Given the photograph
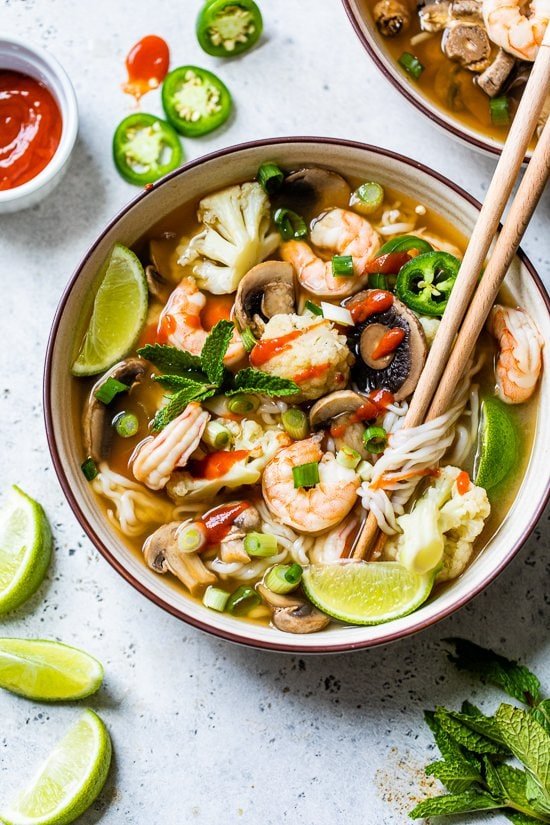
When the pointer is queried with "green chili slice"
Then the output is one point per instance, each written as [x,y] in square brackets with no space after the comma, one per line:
[290,224]
[405,244]
[424,283]
[500,110]
[375,439]
[145,148]
[411,64]
[195,100]
[228,27]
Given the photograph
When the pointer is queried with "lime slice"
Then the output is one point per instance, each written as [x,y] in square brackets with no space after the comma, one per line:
[70,779]
[365,592]
[47,671]
[118,314]
[25,549]
[499,442]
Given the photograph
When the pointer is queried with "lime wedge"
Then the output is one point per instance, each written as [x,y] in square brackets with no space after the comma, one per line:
[365,592]
[499,442]
[70,779]
[25,549]
[118,314]
[47,671]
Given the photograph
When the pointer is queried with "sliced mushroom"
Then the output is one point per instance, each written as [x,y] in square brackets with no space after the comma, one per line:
[467,44]
[293,614]
[495,76]
[232,545]
[339,407]
[434,16]
[391,17]
[268,289]
[399,371]
[157,285]
[162,554]
[466,10]
[97,436]
[312,190]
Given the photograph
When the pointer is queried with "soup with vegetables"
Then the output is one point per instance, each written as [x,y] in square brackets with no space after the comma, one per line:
[244,378]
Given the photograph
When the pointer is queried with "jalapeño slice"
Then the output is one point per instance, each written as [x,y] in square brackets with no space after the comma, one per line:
[145,148]
[229,27]
[424,283]
[195,100]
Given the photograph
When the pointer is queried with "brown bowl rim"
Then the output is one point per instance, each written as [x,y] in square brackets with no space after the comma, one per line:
[380,63]
[283,647]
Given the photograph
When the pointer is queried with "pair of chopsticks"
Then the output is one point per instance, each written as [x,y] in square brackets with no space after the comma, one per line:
[464,317]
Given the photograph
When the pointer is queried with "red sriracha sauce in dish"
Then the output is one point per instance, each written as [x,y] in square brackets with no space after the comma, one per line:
[30,128]
[218,522]
[388,343]
[147,65]
[217,464]
[375,403]
[377,300]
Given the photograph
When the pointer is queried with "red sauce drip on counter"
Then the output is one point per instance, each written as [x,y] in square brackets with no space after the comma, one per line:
[375,403]
[463,483]
[388,343]
[217,464]
[30,128]
[218,522]
[377,300]
[147,65]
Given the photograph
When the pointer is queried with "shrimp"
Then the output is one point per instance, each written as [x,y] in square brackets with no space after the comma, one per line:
[339,232]
[314,509]
[337,543]
[180,323]
[517,33]
[438,243]
[519,360]
[155,459]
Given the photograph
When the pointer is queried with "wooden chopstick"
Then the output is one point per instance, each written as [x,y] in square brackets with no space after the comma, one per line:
[485,229]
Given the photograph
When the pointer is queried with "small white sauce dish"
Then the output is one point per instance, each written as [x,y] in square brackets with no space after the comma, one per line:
[18,56]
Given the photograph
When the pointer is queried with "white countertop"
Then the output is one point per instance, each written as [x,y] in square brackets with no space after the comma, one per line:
[205,731]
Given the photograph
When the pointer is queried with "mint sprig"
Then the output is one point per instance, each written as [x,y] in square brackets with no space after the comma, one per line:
[474,747]
[196,378]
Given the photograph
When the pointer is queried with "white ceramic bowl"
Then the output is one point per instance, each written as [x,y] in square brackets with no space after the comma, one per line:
[189,184]
[376,46]
[18,56]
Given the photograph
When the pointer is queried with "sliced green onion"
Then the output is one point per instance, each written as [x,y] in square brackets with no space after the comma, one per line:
[348,457]
[270,177]
[283,578]
[242,601]
[290,224]
[89,469]
[411,64]
[126,424]
[242,404]
[261,545]
[107,391]
[377,280]
[342,266]
[306,475]
[295,423]
[364,470]
[217,435]
[375,439]
[191,537]
[313,308]
[500,110]
[369,196]
[247,337]
[215,598]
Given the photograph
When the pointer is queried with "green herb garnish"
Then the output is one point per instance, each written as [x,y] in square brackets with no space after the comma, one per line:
[196,378]
[474,746]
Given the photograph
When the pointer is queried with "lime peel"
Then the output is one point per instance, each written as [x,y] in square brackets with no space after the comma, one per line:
[499,443]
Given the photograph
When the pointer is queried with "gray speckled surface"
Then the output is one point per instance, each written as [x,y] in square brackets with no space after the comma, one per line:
[205,731]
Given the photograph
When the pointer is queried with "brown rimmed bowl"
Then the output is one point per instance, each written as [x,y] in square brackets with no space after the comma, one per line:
[189,183]
[377,50]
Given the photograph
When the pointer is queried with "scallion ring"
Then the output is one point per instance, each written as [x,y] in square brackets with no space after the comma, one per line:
[270,177]
[290,224]
[411,64]
[215,598]
[342,266]
[126,424]
[191,537]
[377,280]
[242,601]
[89,468]
[260,545]
[375,439]
[217,435]
[109,389]
[500,110]
[283,578]
[242,404]
[247,337]
[348,457]
[315,309]
[306,475]
[296,423]
[368,197]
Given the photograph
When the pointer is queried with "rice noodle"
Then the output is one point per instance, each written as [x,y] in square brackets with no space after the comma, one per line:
[271,409]
[466,430]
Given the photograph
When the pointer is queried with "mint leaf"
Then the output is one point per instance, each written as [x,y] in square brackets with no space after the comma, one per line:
[456,774]
[530,743]
[170,359]
[512,786]
[177,403]
[446,744]
[256,381]
[214,350]
[179,382]
[460,727]
[516,680]
[522,819]
[470,710]
[478,722]
[461,803]
[542,714]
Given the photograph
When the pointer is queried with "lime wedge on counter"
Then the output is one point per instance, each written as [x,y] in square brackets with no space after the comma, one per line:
[366,593]
[118,314]
[25,549]
[47,671]
[498,444]
[70,779]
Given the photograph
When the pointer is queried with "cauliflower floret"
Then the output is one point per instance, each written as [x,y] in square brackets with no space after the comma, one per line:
[430,327]
[318,359]
[236,237]
[442,527]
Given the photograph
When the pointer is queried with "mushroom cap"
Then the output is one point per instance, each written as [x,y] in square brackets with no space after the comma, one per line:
[266,290]
[467,44]
[162,554]
[157,285]
[159,544]
[333,405]
[312,190]
[293,614]
[96,436]
[399,372]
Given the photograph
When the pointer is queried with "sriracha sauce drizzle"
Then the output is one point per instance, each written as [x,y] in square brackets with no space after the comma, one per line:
[218,522]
